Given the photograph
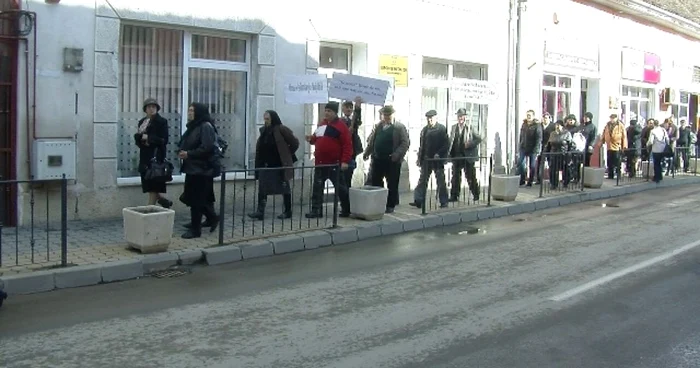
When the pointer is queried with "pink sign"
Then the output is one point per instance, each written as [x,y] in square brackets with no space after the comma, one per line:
[652,68]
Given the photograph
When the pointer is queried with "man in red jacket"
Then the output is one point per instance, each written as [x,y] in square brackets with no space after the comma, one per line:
[333,144]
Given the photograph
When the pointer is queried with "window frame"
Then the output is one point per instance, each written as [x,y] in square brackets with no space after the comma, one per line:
[628,98]
[571,90]
[189,62]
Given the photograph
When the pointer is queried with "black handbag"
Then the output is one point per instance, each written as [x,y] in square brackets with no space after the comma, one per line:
[159,171]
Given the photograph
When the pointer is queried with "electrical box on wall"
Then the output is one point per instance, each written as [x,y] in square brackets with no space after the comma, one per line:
[53,158]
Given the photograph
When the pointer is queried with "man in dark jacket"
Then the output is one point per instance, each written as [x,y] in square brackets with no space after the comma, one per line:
[464,149]
[530,147]
[3,295]
[547,128]
[683,146]
[590,132]
[434,144]
[352,116]
[646,132]
[634,149]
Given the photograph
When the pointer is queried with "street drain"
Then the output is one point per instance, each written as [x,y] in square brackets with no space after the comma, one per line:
[169,274]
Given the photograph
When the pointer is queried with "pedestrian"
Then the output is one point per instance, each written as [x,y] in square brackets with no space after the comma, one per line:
[615,137]
[683,148]
[530,147]
[152,140]
[547,128]
[590,132]
[658,140]
[646,132]
[434,146]
[464,151]
[3,294]
[200,164]
[333,143]
[577,146]
[559,148]
[673,135]
[275,157]
[352,116]
[387,145]
[634,150]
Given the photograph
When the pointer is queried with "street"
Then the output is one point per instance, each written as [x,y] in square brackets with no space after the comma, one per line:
[593,285]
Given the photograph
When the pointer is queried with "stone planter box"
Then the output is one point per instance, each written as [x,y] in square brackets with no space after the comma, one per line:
[593,177]
[368,202]
[505,187]
[694,166]
[647,169]
[148,229]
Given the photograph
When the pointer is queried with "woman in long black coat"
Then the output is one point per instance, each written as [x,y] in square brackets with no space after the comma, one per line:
[152,140]
[200,164]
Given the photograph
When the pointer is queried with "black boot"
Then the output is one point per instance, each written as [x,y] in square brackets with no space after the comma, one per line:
[287,198]
[195,230]
[260,213]
[164,202]
[212,218]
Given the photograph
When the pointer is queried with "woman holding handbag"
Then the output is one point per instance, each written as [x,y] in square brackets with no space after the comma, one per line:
[275,149]
[152,140]
[201,163]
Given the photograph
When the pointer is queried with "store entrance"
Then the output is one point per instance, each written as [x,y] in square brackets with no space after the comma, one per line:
[589,98]
[693,113]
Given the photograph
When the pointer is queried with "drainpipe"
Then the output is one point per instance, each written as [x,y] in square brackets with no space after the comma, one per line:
[516,108]
[511,85]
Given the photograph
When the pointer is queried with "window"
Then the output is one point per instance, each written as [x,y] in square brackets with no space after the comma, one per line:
[696,74]
[333,58]
[636,103]
[556,95]
[681,110]
[178,68]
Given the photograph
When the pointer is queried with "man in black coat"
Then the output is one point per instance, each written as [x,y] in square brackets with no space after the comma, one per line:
[547,128]
[530,148]
[434,146]
[590,132]
[634,147]
[464,149]
[683,146]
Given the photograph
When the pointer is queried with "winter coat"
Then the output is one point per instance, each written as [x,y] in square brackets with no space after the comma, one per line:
[634,137]
[199,141]
[559,142]
[470,141]
[287,144]
[401,141]
[157,132]
[531,137]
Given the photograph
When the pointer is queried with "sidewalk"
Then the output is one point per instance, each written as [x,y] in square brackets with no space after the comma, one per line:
[99,243]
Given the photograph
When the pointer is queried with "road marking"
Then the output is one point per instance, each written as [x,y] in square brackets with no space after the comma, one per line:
[622,273]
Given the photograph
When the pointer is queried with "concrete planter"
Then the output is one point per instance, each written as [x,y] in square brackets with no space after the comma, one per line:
[148,229]
[647,169]
[505,187]
[593,177]
[368,202]
[694,165]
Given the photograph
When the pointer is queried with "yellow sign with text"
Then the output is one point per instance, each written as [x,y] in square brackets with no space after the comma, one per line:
[395,66]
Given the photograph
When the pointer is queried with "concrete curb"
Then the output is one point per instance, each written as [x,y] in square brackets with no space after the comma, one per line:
[61,278]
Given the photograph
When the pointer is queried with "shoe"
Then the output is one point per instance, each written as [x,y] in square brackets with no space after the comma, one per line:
[344,214]
[444,205]
[529,185]
[454,199]
[476,197]
[257,215]
[213,224]
[191,235]
[204,224]
[285,215]
[314,214]
[415,204]
[389,210]
[165,203]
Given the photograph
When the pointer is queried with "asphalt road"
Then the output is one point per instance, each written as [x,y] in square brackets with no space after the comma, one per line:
[549,289]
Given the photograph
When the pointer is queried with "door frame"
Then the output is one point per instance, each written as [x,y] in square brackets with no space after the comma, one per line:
[8,198]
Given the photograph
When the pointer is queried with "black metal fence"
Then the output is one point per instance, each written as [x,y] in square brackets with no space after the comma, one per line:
[458,182]
[36,237]
[685,161]
[634,166]
[560,172]
[265,203]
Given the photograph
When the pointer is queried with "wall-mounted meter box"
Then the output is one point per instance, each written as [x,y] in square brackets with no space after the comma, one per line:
[52,158]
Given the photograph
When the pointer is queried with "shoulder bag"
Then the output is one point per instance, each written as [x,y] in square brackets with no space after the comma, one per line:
[159,172]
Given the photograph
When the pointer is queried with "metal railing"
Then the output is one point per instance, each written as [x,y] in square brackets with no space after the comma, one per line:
[37,237]
[467,182]
[560,172]
[684,161]
[632,167]
[270,205]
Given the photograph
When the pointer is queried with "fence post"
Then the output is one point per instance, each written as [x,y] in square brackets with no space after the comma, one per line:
[64,221]
[337,185]
[488,198]
[540,170]
[618,168]
[425,191]
[222,206]
[582,170]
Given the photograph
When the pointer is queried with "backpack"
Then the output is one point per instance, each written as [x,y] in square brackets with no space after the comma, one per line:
[578,142]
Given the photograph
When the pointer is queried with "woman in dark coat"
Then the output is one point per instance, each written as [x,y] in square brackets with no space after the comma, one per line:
[275,148]
[200,164]
[152,140]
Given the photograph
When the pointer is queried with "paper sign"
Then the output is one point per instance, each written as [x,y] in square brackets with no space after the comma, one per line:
[305,89]
[395,66]
[473,91]
[390,92]
[348,87]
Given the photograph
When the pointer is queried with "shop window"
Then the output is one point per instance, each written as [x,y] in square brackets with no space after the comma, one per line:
[696,74]
[152,64]
[681,111]
[556,95]
[438,71]
[636,103]
[335,57]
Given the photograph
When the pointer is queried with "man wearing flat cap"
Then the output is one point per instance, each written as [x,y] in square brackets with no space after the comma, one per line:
[464,149]
[387,145]
[434,146]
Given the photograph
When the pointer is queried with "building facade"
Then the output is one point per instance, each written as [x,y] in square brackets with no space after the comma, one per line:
[97,61]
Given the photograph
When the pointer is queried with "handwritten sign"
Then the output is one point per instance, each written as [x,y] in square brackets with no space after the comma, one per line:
[395,66]
[305,89]
[347,87]
[473,91]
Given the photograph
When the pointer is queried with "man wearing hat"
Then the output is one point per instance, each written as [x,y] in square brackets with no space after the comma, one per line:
[434,145]
[387,145]
[615,137]
[333,146]
[464,149]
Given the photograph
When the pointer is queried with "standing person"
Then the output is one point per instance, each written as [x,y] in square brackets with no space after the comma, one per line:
[559,146]
[387,145]
[658,140]
[352,116]
[576,147]
[547,129]
[672,131]
[590,132]
[530,147]
[201,164]
[152,141]
[615,136]
[634,151]
[434,144]
[684,134]
[464,149]
[646,132]
[275,148]
[333,143]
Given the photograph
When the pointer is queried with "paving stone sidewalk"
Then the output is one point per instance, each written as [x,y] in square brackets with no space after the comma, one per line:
[97,242]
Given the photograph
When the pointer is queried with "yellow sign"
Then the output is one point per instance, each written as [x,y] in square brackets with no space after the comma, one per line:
[395,66]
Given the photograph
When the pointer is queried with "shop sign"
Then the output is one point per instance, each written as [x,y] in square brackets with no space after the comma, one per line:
[641,66]
[571,54]
[473,91]
[395,66]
